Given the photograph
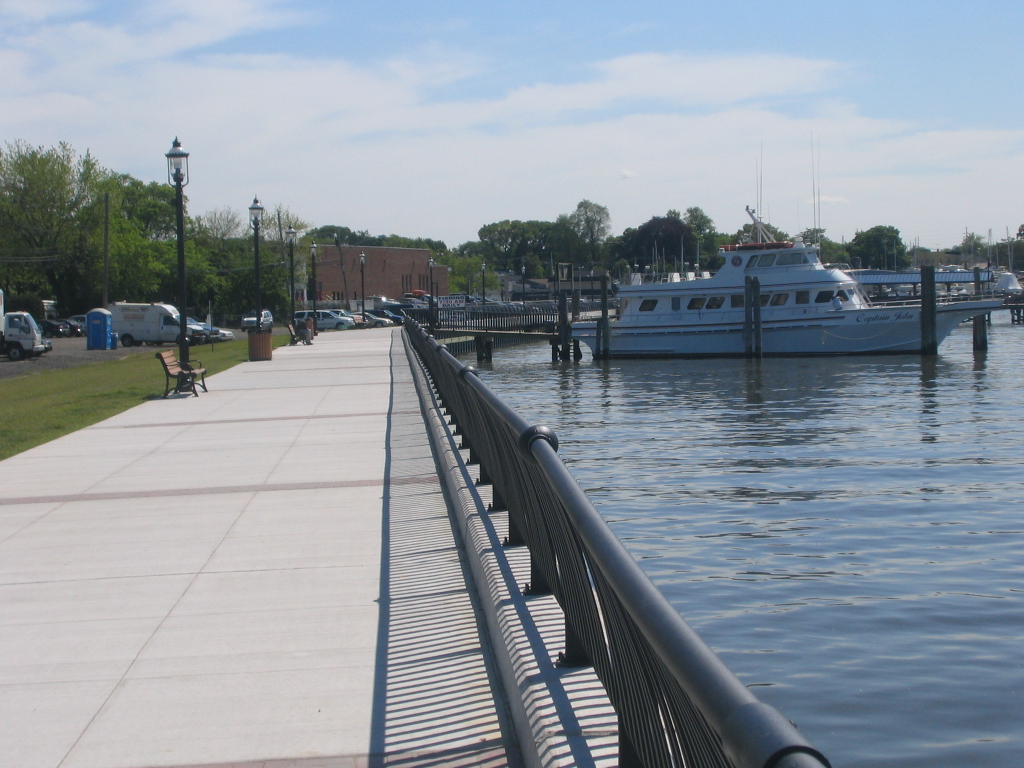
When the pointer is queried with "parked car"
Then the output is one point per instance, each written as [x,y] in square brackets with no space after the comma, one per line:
[80,319]
[366,320]
[387,314]
[198,333]
[326,319]
[266,321]
[54,328]
[212,332]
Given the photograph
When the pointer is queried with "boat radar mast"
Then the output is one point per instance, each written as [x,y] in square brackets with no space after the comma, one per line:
[763,235]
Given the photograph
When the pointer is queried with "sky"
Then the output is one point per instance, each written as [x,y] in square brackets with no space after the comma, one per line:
[432,119]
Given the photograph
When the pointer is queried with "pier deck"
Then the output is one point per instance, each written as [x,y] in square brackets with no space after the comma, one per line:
[265,575]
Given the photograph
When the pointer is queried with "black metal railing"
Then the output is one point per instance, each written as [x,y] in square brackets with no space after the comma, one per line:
[677,703]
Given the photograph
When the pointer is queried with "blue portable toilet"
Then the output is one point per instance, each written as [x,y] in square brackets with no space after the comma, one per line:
[99,329]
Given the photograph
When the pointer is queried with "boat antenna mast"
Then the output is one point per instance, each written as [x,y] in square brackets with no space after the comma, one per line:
[763,235]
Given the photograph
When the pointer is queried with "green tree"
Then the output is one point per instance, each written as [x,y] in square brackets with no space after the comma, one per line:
[657,243]
[830,251]
[704,230]
[878,248]
[42,194]
[591,223]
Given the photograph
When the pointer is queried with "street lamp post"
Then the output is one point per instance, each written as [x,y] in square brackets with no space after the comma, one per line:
[362,283]
[290,237]
[524,286]
[177,176]
[432,307]
[312,258]
[483,282]
[256,218]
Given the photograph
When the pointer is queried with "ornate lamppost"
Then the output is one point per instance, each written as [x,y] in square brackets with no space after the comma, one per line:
[432,309]
[256,218]
[312,258]
[289,235]
[177,176]
[483,282]
[362,284]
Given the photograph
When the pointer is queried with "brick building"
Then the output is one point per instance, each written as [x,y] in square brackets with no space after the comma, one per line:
[390,272]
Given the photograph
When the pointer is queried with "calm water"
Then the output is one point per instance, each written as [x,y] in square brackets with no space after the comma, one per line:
[846,533]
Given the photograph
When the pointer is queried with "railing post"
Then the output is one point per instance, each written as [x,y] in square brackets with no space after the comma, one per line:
[575,654]
[628,757]
[538,584]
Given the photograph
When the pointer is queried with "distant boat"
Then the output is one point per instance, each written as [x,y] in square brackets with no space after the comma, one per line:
[805,308]
[1008,284]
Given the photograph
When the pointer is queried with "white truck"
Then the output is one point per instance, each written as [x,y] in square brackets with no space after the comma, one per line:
[138,324]
[20,337]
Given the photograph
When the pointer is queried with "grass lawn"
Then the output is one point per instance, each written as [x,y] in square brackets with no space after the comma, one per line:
[38,408]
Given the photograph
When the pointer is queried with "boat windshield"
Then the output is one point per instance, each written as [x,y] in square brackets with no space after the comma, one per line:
[787,259]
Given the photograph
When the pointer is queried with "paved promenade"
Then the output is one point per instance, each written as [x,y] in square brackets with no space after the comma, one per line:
[264,575]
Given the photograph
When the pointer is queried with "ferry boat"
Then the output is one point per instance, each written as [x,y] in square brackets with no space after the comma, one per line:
[805,308]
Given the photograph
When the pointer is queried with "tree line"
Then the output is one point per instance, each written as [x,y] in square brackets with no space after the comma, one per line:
[65,221]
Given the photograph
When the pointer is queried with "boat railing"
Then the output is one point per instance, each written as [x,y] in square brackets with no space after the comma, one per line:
[941,299]
[676,701]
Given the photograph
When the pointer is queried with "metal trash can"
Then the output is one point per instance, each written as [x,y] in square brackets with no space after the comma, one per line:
[99,330]
[260,347]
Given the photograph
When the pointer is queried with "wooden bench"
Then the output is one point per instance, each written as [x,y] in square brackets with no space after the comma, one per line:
[301,336]
[183,376]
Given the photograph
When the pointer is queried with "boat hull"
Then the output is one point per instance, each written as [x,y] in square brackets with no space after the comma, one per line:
[864,331]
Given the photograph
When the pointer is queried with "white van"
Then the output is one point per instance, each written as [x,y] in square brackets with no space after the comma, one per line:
[137,324]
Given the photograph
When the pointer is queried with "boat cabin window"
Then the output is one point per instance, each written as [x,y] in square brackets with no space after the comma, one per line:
[648,305]
[843,295]
[823,297]
[736,300]
[716,302]
[788,259]
[764,261]
[778,299]
[764,299]
[696,302]
[803,297]
[675,303]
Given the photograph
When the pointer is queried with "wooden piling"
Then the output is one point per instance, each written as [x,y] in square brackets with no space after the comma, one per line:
[980,321]
[564,329]
[603,344]
[752,317]
[929,340]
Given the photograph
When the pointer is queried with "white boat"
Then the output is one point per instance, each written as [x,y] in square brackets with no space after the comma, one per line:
[806,308]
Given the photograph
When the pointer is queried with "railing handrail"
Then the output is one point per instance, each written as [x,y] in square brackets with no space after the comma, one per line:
[751,734]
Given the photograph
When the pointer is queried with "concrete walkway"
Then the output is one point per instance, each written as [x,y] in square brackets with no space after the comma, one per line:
[262,576]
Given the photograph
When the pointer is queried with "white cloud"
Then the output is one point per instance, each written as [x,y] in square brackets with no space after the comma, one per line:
[376,148]
[40,10]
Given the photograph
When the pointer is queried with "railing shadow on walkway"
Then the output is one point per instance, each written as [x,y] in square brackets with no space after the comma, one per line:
[433,701]
[677,703]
